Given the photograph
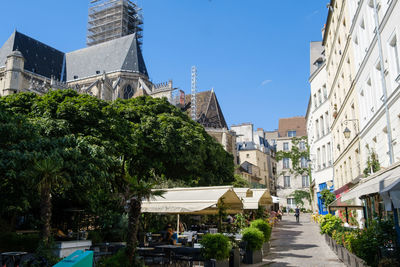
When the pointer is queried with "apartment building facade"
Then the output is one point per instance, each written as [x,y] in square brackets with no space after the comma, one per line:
[377,83]
[254,149]
[288,182]
[343,100]
[318,126]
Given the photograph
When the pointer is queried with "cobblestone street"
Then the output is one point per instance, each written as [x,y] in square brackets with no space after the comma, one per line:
[299,244]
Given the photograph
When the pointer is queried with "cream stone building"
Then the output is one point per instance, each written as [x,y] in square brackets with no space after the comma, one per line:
[254,149]
[340,68]
[368,79]
[358,84]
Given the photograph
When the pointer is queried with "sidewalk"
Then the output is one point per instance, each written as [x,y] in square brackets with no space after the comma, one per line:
[299,244]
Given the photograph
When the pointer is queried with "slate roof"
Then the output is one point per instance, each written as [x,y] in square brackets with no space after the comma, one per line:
[209,113]
[122,54]
[39,57]
[248,145]
[247,166]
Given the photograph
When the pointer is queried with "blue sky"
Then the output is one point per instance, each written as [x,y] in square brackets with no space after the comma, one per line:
[254,53]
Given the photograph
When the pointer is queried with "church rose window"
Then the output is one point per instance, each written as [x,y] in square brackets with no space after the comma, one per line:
[128,92]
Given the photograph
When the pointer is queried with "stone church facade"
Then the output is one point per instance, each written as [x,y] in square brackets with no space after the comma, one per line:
[109,70]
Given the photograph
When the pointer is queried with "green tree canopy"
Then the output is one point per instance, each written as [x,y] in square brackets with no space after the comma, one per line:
[299,196]
[99,143]
[327,196]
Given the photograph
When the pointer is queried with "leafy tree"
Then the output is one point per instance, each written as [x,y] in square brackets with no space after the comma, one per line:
[139,190]
[240,182]
[16,155]
[299,196]
[48,173]
[295,154]
[372,164]
[85,134]
[164,142]
[103,147]
[327,196]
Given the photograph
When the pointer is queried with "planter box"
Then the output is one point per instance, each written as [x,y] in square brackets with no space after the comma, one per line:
[327,239]
[215,263]
[342,253]
[66,248]
[234,259]
[348,258]
[253,257]
[265,249]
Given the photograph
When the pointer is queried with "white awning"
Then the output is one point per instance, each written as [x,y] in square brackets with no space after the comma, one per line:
[194,200]
[275,199]
[391,195]
[243,192]
[261,197]
[373,184]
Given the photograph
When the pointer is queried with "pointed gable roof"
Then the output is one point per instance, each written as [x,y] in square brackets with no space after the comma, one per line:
[122,54]
[209,113]
[39,57]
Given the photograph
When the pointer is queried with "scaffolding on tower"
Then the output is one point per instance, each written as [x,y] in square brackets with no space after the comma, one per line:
[111,19]
[194,93]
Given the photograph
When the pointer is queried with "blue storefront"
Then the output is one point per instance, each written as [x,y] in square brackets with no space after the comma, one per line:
[321,205]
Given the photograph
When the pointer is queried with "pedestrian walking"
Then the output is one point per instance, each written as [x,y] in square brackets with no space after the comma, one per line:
[297,214]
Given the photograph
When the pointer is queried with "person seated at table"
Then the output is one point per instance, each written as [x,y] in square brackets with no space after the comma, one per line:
[172,237]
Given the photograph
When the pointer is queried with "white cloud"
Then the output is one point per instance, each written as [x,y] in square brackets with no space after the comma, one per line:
[265,82]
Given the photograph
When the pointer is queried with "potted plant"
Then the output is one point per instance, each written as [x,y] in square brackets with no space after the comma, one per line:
[234,258]
[266,229]
[254,239]
[215,250]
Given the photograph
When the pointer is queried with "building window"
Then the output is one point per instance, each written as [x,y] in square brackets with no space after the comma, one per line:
[291,133]
[329,154]
[291,203]
[247,155]
[286,181]
[285,163]
[305,182]
[315,101]
[303,162]
[128,92]
[395,52]
[302,145]
[285,146]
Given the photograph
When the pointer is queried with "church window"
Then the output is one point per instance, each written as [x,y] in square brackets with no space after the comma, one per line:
[128,92]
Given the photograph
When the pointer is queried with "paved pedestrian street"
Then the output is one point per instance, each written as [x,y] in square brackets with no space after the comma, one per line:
[299,244]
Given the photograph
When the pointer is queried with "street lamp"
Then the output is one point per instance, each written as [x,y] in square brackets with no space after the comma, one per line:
[347,133]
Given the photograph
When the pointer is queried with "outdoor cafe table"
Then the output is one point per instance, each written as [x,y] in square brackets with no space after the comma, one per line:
[168,250]
[15,257]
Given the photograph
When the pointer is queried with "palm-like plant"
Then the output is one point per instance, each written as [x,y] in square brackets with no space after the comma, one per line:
[47,173]
[137,191]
